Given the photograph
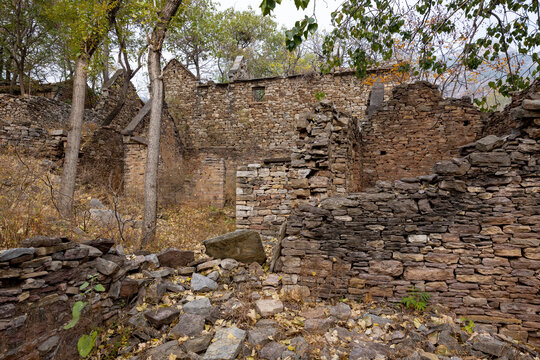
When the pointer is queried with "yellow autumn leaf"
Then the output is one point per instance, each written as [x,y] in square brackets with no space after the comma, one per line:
[291,348]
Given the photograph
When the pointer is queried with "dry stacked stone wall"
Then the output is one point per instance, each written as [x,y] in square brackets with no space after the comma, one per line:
[324,162]
[414,129]
[245,121]
[40,282]
[468,233]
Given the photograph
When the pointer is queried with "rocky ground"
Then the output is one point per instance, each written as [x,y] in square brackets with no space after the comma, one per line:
[223,309]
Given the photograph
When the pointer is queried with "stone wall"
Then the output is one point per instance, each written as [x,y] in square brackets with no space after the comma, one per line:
[245,121]
[210,182]
[263,196]
[324,162]
[40,283]
[417,127]
[468,233]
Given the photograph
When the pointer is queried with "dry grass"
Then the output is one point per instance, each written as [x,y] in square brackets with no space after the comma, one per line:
[28,189]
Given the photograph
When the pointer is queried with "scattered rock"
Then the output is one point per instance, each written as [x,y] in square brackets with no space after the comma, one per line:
[188,325]
[200,283]
[226,344]
[201,307]
[272,351]
[106,267]
[269,307]
[161,316]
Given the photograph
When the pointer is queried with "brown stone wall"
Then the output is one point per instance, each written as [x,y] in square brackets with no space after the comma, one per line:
[323,164]
[134,165]
[229,122]
[210,182]
[228,116]
[468,233]
[412,131]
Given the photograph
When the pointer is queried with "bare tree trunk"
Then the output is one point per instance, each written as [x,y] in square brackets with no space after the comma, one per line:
[69,170]
[154,131]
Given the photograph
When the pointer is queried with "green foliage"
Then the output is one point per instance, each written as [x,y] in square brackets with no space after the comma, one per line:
[86,343]
[469,327]
[416,300]
[319,95]
[459,42]
[76,312]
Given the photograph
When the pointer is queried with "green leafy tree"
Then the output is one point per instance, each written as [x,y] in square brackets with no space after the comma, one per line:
[501,34]
[25,38]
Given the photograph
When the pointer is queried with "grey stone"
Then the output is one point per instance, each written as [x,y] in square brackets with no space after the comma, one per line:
[198,343]
[229,264]
[201,307]
[188,325]
[489,345]
[455,166]
[318,325]
[202,283]
[156,291]
[489,143]
[76,253]
[242,245]
[375,319]
[214,275]
[341,311]
[161,316]
[92,251]
[7,311]
[153,259]
[11,254]
[272,351]
[48,344]
[106,267]
[164,351]
[103,245]
[364,350]
[226,345]
[96,204]
[260,335]
[41,241]
[175,288]
[105,217]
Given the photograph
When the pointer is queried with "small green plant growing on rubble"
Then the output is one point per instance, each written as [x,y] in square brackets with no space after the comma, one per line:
[86,342]
[417,300]
[469,328]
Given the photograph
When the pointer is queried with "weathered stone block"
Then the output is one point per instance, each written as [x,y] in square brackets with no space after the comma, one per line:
[242,245]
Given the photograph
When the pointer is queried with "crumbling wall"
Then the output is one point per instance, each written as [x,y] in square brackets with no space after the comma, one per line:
[468,233]
[323,163]
[417,127]
[40,283]
[245,121]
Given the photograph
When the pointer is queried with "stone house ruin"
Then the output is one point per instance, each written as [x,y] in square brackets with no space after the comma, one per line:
[380,186]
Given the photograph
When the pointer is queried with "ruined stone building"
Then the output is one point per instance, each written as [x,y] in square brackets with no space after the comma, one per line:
[380,186]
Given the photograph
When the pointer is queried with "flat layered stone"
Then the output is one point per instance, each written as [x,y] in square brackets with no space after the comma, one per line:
[11,254]
[242,245]
[226,344]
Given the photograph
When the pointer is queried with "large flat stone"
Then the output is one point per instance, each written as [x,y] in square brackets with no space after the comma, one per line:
[11,254]
[242,245]
[175,258]
[226,345]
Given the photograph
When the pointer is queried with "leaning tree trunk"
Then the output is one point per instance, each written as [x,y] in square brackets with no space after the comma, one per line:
[154,131]
[69,170]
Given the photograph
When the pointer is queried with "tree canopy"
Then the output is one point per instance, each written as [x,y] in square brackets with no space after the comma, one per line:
[446,41]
